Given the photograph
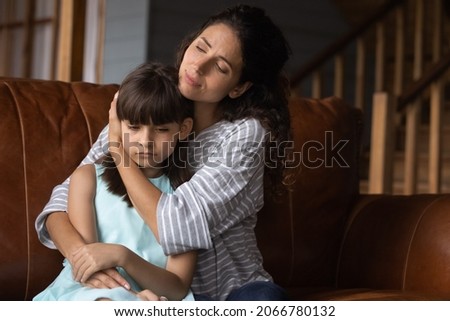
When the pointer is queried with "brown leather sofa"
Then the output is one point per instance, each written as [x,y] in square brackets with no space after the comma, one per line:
[321,241]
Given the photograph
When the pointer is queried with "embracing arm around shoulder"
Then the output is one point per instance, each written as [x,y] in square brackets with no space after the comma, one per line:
[143,194]
[227,189]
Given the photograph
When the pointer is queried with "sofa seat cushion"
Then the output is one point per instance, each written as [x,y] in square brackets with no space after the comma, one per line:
[359,294]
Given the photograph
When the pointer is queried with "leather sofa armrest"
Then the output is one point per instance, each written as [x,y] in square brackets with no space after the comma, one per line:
[397,242]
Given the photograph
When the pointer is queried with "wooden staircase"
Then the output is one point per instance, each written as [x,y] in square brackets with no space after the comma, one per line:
[394,65]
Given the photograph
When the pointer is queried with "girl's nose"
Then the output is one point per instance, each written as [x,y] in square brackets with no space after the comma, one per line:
[145,137]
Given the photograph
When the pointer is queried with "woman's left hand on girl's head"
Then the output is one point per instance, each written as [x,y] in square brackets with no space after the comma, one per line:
[115,131]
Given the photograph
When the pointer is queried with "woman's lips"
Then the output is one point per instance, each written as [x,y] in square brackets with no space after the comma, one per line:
[191,80]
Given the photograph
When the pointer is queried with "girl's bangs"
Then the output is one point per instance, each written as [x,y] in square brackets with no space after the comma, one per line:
[151,109]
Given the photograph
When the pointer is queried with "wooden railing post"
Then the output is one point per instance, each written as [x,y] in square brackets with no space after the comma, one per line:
[382,144]
[316,84]
[435,139]
[360,73]
[339,77]
[411,153]
[71,40]
[380,57]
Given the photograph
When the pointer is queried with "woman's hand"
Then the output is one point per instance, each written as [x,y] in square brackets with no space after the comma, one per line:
[115,131]
[95,257]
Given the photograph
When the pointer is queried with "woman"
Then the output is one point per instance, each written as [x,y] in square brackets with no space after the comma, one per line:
[232,70]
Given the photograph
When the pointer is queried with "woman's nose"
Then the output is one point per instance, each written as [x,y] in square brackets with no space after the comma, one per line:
[202,64]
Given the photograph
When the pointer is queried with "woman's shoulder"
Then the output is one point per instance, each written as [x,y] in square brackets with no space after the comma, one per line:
[248,125]
[241,130]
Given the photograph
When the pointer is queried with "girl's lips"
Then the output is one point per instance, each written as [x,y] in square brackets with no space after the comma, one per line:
[145,154]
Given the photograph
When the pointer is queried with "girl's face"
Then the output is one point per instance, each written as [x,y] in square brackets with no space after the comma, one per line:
[212,66]
[149,145]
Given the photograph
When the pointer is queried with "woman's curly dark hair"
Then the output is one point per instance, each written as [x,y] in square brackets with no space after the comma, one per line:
[265,52]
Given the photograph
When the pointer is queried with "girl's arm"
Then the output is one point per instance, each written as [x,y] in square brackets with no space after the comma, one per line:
[81,202]
[80,225]
[172,282]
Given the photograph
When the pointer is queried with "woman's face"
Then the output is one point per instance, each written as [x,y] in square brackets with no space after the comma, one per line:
[211,65]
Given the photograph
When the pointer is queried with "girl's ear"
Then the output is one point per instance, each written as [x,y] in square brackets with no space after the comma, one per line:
[186,128]
[239,89]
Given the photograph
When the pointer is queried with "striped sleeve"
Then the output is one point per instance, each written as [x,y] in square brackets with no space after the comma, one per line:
[58,198]
[211,201]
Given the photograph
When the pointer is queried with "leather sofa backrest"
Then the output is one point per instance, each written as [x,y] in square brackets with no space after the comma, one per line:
[299,235]
[398,242]
[46,127]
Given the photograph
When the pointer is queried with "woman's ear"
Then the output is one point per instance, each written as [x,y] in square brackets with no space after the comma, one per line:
[186,128]
[239,89]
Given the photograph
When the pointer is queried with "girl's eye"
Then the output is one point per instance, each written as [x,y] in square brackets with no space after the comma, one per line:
[161,129]
[133,127]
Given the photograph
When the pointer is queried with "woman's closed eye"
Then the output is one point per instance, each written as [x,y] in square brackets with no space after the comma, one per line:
[199,48]
[221,69]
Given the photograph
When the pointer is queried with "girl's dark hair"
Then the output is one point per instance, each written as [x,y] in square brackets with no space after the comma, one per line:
[264,52]
[149,94]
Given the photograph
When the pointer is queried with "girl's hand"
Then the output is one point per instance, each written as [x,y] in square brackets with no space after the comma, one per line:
[147,295]
[115,131]
[95,257]
[107,279]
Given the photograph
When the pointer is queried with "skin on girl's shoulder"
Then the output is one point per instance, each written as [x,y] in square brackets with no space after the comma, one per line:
[83,175]
[87,169]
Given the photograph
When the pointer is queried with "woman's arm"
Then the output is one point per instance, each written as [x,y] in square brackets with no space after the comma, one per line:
[172,282]
[227,189]
[143,194]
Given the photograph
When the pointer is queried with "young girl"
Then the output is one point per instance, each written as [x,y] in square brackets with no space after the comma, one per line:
[232,69]
[153,117]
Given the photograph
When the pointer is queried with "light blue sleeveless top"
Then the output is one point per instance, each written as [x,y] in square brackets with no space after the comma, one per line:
[116,223]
